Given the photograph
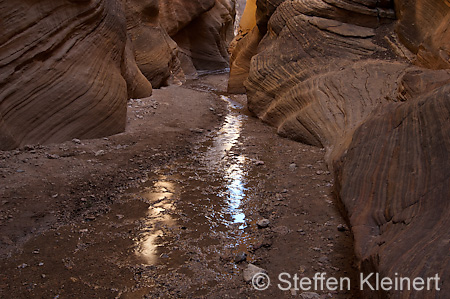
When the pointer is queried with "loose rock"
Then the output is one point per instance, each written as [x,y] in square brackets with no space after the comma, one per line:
[197,130]
[240,257]
[99,153]
[342,228]
[263,223]
[251,271]
[309,295]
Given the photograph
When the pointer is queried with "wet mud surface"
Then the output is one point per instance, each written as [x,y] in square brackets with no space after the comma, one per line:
[185,223]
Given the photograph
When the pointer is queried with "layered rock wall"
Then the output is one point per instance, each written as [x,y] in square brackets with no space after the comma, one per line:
[67,67]
[204,42]
[361,79]
[65,71]
[423,27]
[243,48]
[154,50]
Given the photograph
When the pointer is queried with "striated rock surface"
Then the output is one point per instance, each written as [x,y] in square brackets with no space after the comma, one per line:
[243,51]
[423,27]
[67,68]
[358,78]
[155,52]
[394,183]
[65,71]
[204,42]
[174,39]
[243,48]
[176,14]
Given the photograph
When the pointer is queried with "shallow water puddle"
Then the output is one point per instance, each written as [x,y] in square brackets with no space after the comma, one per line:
[179,232]
[197,202]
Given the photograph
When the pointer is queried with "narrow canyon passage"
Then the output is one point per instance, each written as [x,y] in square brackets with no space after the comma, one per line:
[186,226]
[225,148]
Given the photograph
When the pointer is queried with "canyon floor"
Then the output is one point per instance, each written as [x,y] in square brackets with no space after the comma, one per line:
[170,207]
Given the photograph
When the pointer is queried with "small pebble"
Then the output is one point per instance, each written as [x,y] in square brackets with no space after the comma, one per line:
[240,257]
[99,153]
[197,130]
[309,295]
[263,223]
[342,228]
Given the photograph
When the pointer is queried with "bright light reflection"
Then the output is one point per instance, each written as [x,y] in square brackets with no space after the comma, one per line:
[223,161]
[162,192]
[234,165]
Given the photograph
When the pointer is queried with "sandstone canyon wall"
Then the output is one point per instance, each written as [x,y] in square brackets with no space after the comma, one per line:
[369,81]
[68,67]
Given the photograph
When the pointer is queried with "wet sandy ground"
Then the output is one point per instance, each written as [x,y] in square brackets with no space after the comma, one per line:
[195,189]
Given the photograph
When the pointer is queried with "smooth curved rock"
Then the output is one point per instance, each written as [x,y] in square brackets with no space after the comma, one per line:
[174,15]
[67,68]
[401,225]
[204,42]
[243,47]
[246,47]
[332,74]
[65,71]
[155,52]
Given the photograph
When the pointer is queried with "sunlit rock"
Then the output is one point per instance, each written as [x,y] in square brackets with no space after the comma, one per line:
[358,78]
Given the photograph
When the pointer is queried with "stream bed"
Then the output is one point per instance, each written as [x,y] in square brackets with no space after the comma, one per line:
[187,228]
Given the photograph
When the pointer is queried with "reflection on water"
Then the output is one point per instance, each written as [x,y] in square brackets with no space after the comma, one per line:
[206,191]
[160,195]
[236,189]
[228,164]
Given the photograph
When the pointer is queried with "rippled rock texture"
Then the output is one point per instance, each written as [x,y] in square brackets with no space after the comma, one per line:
[67,67]
[368,81]
[204,41]
[65,71]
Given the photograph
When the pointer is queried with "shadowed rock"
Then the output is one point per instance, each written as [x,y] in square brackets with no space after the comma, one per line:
[334,74]
[155,51]
[65,71]
[205,40]
[67,68]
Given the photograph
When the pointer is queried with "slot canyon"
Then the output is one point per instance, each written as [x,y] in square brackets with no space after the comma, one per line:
[225,149]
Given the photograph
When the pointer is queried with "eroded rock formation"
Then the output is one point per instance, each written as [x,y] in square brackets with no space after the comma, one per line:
[65,71]
[155,51]
[67,68]
[204,42]
[362,79]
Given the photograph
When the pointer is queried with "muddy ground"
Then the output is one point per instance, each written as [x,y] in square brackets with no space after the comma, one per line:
[170,207]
